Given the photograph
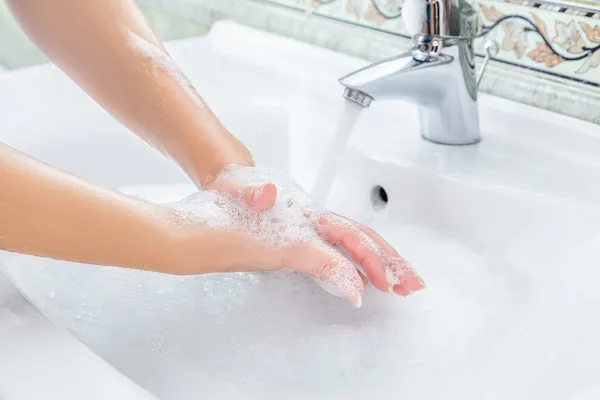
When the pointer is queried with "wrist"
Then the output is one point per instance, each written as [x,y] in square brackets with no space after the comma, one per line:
[188,246]
[159,242]
[208,153]
[204,172]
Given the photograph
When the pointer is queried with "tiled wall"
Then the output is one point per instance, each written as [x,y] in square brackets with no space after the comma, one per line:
[555,39]
[560,40]
[549,57]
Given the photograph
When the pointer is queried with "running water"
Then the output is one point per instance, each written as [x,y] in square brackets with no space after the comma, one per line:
[335,152]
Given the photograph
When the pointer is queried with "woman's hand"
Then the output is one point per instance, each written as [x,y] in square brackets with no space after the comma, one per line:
[255,197]
[363,254]
[384,267]
[234,250]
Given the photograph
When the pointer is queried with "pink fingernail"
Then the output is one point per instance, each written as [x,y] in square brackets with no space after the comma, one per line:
[413,283]
[257,193]
[402,291]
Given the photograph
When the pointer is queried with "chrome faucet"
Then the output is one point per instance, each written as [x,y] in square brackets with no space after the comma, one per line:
[438,74]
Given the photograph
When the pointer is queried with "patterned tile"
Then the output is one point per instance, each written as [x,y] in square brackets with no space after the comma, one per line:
[555,38]
[382,14]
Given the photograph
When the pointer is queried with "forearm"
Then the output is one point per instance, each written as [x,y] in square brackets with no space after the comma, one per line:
[110,51]
[47,212]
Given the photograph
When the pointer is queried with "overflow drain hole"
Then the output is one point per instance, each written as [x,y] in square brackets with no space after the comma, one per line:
[379,198]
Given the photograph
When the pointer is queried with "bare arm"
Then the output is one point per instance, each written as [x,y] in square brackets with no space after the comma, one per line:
[110,51]
[47,212]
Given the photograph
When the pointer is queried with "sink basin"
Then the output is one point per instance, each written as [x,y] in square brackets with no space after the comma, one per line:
[506,235]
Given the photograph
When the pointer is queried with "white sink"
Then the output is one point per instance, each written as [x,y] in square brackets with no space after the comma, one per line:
[506,234]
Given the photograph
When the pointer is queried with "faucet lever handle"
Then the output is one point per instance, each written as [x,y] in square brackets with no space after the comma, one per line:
[491,49]
[453,19]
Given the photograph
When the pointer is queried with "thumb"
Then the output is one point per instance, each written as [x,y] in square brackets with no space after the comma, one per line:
[256,197]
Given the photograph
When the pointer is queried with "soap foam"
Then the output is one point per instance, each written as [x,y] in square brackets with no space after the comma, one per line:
[292,223]
[295,215]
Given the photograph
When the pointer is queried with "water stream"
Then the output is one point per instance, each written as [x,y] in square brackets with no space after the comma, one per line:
[335,152]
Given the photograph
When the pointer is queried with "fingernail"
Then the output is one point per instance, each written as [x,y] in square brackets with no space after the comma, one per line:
[257,193]
[357,303]
[390,289]
[402,291]
[413,283]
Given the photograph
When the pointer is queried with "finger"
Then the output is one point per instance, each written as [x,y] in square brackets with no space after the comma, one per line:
[261,197]
[335,273]
[363,278]
[255,197]
[377,238]
[402,274]
[401,291]
[341,233]
[400,268]
[398,271]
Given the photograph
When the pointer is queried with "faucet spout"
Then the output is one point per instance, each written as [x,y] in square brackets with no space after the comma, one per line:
[442,84]
[401,76]
[438,74]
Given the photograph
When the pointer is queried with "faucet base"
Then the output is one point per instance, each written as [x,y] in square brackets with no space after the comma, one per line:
[452,120]
[474,141]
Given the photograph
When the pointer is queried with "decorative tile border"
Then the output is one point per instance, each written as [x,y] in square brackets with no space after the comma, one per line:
[384,15]
[538,37]
[503,79]
[556,38]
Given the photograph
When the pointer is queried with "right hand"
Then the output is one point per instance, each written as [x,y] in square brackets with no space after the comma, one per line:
[209,250]
[241,245]
[381,264]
